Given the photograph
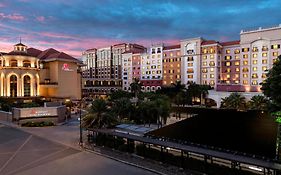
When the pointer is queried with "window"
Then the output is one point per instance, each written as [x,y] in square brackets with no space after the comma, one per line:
[204,63]
[264,61]
[26,63]
[245,49]
[190,59]
[264,68]
[189,64]
[228,63]
[13,86]
[153,51]
[254,75]
[212,82]
[227,51]
[237,69]
[236,57]
[236,75]
[236,51]
[227,76]
[255,49]
[275,54]
[245,56]
[255,55]
[212,75]
[211,56]
[205,50]
[171,54]
[245,69]
[204,75]
[245,82]
[227,57]
[204,70]
[264,48]
[275,46]
[228,70]
[26,82]
[212,50]
[255,68]
[189,76]
[212,63]
[255,61]
[255,82]
[211,69]
[14,63]
[245,75]
[264,54]
[237,63]
[245,62]
[263,75]
[204,57]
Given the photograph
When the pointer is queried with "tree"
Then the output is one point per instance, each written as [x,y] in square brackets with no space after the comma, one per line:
[122,108]
[163,107]
[271,87]
[178,87]
[234,101]
[119,94]
[98,116]
[136,86]
[258,102]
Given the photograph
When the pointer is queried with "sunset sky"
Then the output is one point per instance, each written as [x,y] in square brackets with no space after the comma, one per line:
[75,25]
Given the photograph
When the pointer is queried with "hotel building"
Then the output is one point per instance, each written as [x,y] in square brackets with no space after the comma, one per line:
[232,66]
[27,73]
[103,73]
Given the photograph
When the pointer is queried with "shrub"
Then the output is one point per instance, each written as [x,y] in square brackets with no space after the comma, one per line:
[37,124]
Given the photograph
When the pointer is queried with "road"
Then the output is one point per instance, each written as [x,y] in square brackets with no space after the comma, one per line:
[53,151]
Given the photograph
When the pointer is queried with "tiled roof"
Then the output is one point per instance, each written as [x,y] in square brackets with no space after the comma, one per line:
[209,42]
[172,47]
[229,43]
[46,53]
[18,53]
[34,52]
[20,44]
[61,55]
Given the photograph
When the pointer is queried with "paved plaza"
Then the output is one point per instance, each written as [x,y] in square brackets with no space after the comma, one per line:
[50,152]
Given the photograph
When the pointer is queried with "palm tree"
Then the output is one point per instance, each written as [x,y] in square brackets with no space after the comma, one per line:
[178,87]
[98,116]
[136,86]
[122,108]
[258,102]
[234,101]
[163,107]
[203,92]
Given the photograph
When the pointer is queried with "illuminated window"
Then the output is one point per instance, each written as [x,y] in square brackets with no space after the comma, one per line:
[171,54]
[275,46]
[255,49]
[211,69]
[264,48]
[189,76]
[204,75]
[245,69]
[263,75]
[165,71]
[165,54]
[228,70]
[236,81]
[275,54]
[191,58]
[205,50]
[245,82]
[227,82]
[212,82]
[274,60]
[245,56]
[254,82]
[236,75]
[227,51]
[212,75]
[204,63]
[164,82]
[264,68]
[211,50]
[190,64]
[264,54]
[237,69]
[245,75]
[237,63]
[178,53]
[227,76]
[245,49]
[255,61]
[254,75]
[236,51]
[264,61]
[204,70]
[228,63]
[211,56]
[212,63]
[236,57]
[227,57]
[204,57]
[255,55]
[190,71]
[245,62]
[255,68]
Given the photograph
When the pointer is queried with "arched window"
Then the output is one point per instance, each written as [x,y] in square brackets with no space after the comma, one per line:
[14,63]
[13,86]
[26,84]
[26,63]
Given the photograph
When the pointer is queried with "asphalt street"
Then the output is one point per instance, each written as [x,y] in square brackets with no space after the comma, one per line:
[53,151]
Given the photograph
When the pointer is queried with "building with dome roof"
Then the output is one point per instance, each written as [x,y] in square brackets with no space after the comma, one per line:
[30,73]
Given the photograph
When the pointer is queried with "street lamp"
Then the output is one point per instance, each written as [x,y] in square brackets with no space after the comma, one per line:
[81,100]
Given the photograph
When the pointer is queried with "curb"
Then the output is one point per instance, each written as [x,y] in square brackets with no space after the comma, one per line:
[122,161]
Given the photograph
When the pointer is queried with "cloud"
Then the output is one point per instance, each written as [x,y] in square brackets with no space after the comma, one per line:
[40,18]
[2,5]
[14,17]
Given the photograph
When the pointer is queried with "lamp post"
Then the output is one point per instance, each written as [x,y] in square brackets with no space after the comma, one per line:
[80,113]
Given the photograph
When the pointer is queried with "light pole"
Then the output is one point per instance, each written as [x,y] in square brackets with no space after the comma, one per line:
[80,113]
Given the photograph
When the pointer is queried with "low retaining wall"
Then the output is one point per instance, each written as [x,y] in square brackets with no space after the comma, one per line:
[5,116]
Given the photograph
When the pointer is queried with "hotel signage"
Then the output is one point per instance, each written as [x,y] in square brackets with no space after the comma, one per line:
[66,67]
[38,112]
